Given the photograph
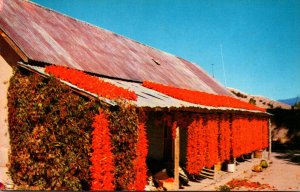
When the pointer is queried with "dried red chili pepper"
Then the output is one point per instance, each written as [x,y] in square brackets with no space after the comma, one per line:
[102,158]
[140,166]
[201,98]
[90,83]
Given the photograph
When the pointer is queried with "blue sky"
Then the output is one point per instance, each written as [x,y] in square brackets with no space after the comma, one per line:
[260,38]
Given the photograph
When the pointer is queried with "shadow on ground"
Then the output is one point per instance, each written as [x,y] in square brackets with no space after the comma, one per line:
[288,150]
[290,155]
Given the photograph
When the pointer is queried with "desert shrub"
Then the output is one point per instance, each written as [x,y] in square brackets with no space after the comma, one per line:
[252,101]
[50,133]
[223,188]
[270,105]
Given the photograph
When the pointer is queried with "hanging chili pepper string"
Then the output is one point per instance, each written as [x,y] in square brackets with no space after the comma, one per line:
[102,157]
[248,134]
[140,166]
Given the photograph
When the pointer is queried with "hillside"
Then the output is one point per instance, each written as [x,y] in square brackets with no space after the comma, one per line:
[290,101]
[259,101]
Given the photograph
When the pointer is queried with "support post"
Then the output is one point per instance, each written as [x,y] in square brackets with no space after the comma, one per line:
[270,141]
[176,159]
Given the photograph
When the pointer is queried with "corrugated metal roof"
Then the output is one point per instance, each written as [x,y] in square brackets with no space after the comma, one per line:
[148,98]
[47,36]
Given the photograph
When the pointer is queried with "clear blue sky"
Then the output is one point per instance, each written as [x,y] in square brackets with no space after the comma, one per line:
[260,38]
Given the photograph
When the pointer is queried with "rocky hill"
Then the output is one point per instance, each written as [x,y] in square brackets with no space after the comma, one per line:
[290,101]
[259,101]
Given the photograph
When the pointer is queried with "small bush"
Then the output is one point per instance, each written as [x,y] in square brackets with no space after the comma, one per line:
[224,188]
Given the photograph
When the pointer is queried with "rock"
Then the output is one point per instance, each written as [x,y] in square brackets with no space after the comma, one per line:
[257,168]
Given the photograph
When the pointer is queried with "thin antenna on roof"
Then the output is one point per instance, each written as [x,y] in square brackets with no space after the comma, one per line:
[223,65]
[212,69]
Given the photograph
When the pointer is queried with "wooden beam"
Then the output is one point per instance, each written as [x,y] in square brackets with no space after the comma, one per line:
[270,140]
[14,46]
[176,159]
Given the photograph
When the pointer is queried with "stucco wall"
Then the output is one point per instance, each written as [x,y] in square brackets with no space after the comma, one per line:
[8,58]
[5,74]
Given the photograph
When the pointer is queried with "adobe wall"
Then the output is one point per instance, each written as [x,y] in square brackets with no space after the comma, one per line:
[8,58]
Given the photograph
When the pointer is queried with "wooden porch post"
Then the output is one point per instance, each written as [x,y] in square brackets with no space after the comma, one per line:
[270,140]
[176,160]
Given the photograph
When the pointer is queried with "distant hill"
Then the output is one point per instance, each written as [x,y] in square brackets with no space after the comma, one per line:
[259,101]
[291,101]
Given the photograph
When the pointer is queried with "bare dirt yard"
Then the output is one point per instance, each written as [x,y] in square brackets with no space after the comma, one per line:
[283,174]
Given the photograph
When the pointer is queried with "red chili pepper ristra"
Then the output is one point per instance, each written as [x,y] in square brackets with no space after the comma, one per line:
[248,135]
[102,158]
[211,139]
[202,144]
[196,147]
[224,145]
[140,166]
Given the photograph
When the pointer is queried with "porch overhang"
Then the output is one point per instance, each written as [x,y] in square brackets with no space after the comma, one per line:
[148,99]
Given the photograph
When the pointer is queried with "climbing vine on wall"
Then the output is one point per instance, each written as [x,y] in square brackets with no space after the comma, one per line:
[63,141]
[123,125]
[50,134]
[124,134]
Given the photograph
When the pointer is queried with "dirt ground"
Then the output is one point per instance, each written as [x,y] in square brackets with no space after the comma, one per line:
[283,174]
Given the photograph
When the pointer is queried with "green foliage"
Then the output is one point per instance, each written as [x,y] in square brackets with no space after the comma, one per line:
[50,132]
[252,101]
[270,105]
[238,94]
[297,105]
[123,127]
[263,163]
[224,188]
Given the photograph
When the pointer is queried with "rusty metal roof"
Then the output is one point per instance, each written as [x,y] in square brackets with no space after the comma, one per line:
[148,98]
[48,36]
